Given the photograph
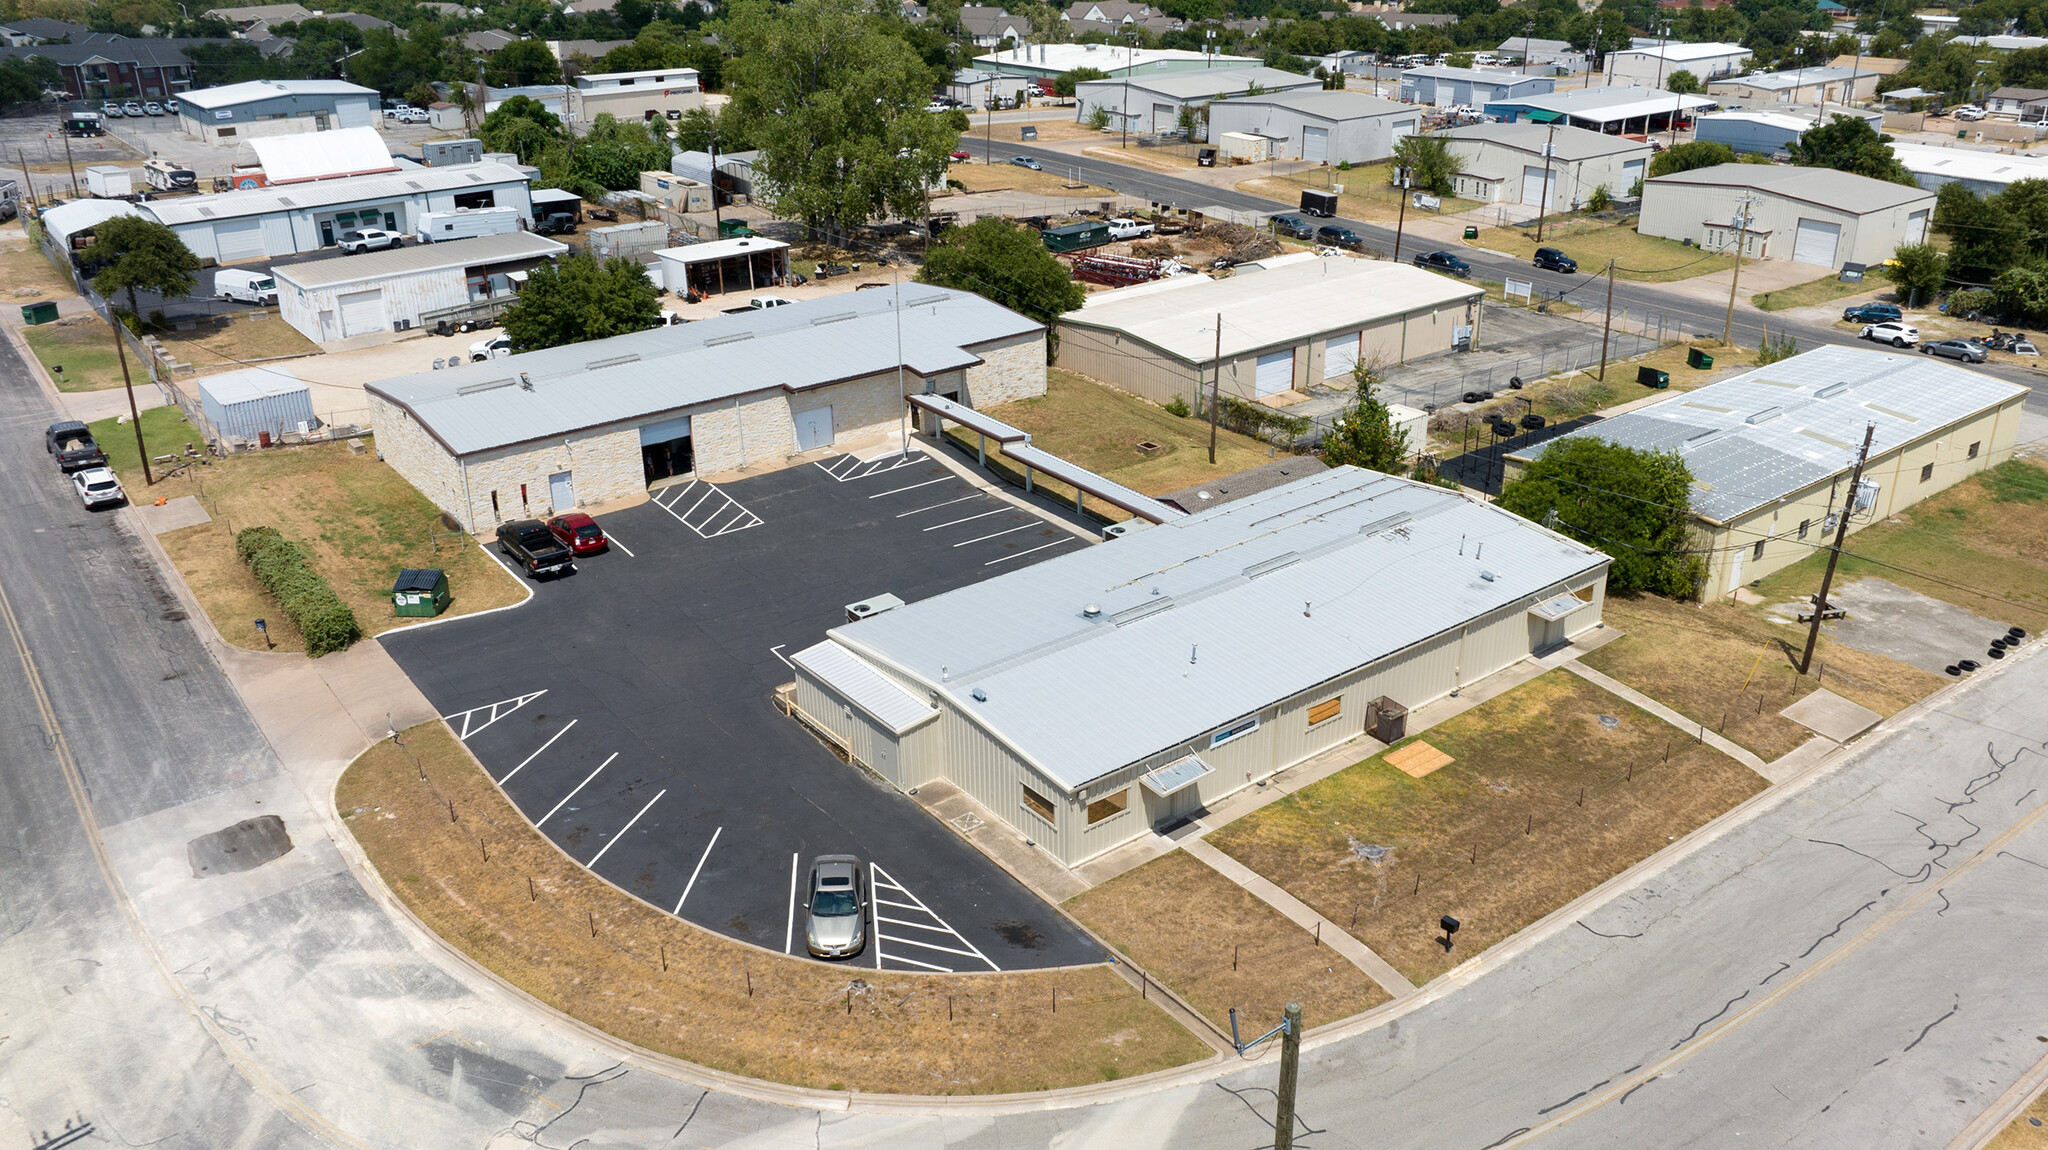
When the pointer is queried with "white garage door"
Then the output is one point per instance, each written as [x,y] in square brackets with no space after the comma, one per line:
[1631,171]
[1404,128]
[1532,186]
[665,431]
[239,240]
[1164,117]
[362,312]
[1916,228]
[1315,143]
[1340,355]
[1275,374]
[814,428]
[1816,243]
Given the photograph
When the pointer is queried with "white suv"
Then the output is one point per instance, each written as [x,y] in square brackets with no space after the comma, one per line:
[1896,334]
[368,240]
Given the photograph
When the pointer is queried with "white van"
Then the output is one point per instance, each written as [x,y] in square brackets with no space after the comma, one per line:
[246,286]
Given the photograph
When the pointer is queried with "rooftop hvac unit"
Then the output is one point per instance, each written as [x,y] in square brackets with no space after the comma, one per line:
[867,608]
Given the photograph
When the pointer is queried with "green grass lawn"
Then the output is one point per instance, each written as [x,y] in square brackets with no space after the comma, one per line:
[164,430]
[85,351]
[1645,259]
[1368,193]
[1807,294]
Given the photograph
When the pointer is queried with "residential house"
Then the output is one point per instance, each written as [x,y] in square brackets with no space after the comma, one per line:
[40,30]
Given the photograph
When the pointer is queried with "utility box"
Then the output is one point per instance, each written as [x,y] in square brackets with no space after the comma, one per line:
[420,591]
[1386,720]
[109,182]
[43,312]
[462,223]
[441,153]
[1651,377]
[1696,358]
[1075,237]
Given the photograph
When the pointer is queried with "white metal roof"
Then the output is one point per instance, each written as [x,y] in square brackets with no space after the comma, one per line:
[1826,187]
[255,383]
[1202,621]
[1606,105]
[250,91]
[1566,143]
[322,155]
[1796,78]
[67,220]
[1325,105]
[1683,52]
[327,193]
[1471,75]
[1768,433]
[721,249]
[679,75]
[1108,57]
[475,251]
[810,343]
[1969,164]
[1276,305]
[1204,83]
[865,687]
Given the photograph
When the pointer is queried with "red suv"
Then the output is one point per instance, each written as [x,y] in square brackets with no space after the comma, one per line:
[579,533]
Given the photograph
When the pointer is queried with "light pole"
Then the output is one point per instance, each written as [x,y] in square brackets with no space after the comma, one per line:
[1130,63]
[1543,202]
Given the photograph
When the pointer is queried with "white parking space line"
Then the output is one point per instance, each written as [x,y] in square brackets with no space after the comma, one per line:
[498,710]
[936,506]
[1000,534]
[572,794]
[1021,554]
[536,754]
[776,651]
[848,467]
[721,514]
[692,884]
[969,519]
[592,864]
[789,935]
[912,487]
[614,541]
[914,915]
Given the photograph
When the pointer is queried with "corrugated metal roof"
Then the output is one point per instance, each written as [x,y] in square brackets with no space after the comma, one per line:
[1685,51]
[474,251]
[1969,164]
[1279,305]
[1822,399]
[326,193]
[1335,106]
[1781,81]
[1202,621]
[255,383]
[1606,105]
[1471,75]
[1206,82]
[67,220]
[865,687]
[1842,191]
[248,92]
[476,407]
[322,155]
[721,249]
[1569,143]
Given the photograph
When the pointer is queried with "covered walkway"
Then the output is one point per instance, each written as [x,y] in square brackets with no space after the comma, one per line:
[1016,444]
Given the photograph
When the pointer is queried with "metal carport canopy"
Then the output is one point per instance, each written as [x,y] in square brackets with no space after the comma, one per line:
[1017,445]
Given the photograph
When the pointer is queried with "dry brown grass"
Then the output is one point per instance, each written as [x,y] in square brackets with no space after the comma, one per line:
[1156,159]
[661,983]
[1217,946]
[25,266]
[1726,667]
[208,347]
[2027,1131]
[1048,131]
[1542,803]
[1007,177]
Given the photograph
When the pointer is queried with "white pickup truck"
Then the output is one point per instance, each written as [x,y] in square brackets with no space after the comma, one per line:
[1125,228]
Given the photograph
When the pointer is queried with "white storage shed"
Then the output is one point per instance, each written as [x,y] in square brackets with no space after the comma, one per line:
[248,407]
[400,288]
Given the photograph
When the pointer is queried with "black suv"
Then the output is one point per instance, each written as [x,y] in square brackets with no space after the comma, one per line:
[1444,262]
[534,547]
[1295,227]
[1338,237]
[1557,261]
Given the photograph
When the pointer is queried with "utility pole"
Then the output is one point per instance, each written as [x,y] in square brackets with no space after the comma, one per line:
[28,182]
[1820,601]
[1290,1069]
[72,166]
[134,416]
[1130,62]
[1543,201]
[1401,180]
[1741,238]
[1607,325]
[1215,388]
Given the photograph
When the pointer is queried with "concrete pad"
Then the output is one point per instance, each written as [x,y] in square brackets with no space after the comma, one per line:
[975,823]
[1800,760]
[1831,716]
[1887,619]
[184,511]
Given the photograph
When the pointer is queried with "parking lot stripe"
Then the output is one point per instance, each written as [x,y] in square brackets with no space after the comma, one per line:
[536,754]
[931,945]
[881,882]
[912,487]
[912,961]
[999,534]
[936,506]
[613,539]
[572,794]
[592,864]
[1021,554]
[469,716]
[848,467]
[789,935]
[692,884]
[969,519]
[776,651]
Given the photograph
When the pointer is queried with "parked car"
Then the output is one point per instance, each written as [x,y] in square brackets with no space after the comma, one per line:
[368,240]
[1027,162]
[496,348]
[938,106]
[1896,334]
[1339,237]
[555,224]
[98,487]
[1295,227]
[1554,260]
[171,106]
[1444,262]
[1124,228]
[245,286]
[1970,112]
[132,108]
[152,108]
[1872,313]
[764,302]
[836,925]
[110,110]
[963,154]
[529,543]
[1968,351]
[579,533]
[73,446]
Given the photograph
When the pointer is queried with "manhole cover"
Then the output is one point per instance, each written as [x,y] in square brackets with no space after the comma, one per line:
[1609,721]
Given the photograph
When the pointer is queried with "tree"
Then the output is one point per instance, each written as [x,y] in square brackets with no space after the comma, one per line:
[1919,270]
[1681,83]
[1365,436]
[1849,144]
[521,125]
[579,299]
[1429,163]
[520,63]
[836,107]
[1630,503]
[24,79]
[1064,83]
[1007,263]
[1688,156]
[133,252]
[615,151]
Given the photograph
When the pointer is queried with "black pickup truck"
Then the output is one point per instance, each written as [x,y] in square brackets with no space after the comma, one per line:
[73,445]
[530,544]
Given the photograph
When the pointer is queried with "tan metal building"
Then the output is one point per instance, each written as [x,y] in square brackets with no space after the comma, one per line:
[1815,216]
[1287,323]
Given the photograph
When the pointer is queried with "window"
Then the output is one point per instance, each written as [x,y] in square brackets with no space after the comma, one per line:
[1584,594]
[1108,806]
[1759,552]
[476,200]
[1326,710]
[1241,727]
[1974,447]
[1039,805]
[1926,473]
[1804,526]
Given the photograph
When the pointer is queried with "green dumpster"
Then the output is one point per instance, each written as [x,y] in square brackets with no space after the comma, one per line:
[1471,233]
[728,229]
[44,312]
[1694,357]
[1651,377]
[420,591]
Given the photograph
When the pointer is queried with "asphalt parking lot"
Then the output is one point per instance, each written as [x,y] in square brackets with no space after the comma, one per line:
[628,708]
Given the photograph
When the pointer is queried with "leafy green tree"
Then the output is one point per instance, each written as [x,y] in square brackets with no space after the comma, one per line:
[520,63]
[521,125]
[1920,271]
[1007,263]
[1366,436]
[2022,290]
[580,299]
[217,64]
[1849,144]
[1682,83]
[1688,156]
[1429,163]
[835,106]
[24,79]
[1629,503]
[132,252]
[615,151]
[1064,83]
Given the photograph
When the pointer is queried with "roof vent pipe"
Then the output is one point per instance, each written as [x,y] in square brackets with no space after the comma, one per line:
[1092,610]
[1193,651]
[1479,550]
[980,696]
[945,673]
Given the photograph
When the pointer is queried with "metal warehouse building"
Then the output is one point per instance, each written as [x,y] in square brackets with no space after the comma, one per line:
[1444,87]
[1985,173]
[1653,64]
[1337,127]
[258,222]
[1155,102]
[234,112]
[1507,163]
[1771,450]
[395,289]
[1611,110]
[1815,216]
[1088,699]
[544,431]
[1769,132]
[1288,323]
[246,407]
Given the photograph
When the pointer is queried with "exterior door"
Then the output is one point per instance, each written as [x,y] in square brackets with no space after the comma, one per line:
[1275,373]
[814,428]
[562,491]
[1916,228]
[1315,143]
[1340,355]
[1631,171]
[1816,243]
[362,312]
[239,240]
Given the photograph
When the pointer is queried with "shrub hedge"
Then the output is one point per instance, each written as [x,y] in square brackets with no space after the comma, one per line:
[323,620]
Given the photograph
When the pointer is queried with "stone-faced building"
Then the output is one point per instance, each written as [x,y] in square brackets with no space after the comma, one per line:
[544,431]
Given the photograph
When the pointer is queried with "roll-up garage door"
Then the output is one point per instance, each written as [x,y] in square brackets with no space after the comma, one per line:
[1164,117]
[1816,243]
[1532,186]
[362,312]
[1340,355]
[1916,228]
[1631,171]
[1275,374]
[239,240]
[352,114]
[1403,128]
[1315,143]
[666,430]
